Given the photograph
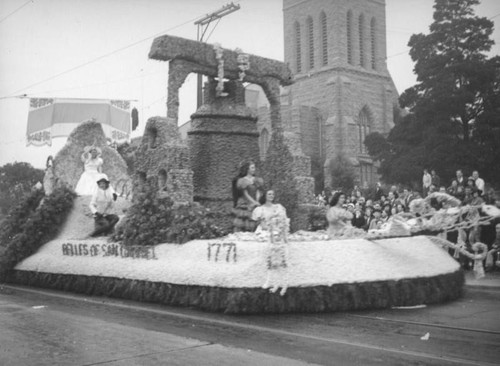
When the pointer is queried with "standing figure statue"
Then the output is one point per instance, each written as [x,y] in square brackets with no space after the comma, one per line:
[92,161]
[247,190]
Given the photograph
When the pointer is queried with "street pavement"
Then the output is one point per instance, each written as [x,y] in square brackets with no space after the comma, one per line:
[42,328]
[491,280]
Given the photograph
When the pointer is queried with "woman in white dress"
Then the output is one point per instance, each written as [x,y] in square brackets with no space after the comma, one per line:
[92,161]
[266,211]
[274,225]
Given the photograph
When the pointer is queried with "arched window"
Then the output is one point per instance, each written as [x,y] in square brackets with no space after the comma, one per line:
[364,128]
[298,48]
[349,37]
[152,134]
[372,38]
[361,24]
[264,143]
[310,41]
[324,39]
[366,174]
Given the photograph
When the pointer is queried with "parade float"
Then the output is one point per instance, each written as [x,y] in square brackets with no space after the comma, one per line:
[171,245]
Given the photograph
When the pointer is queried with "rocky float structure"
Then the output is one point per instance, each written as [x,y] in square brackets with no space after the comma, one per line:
[224,132]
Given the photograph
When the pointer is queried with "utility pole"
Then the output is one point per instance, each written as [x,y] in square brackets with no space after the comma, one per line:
[203,25]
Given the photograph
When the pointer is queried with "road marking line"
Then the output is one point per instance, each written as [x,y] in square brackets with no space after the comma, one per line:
[424,324]
[112,303]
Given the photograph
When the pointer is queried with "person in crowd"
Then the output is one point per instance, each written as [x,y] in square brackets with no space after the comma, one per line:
[442,189]
[391,198]
[358,219]
[426,182]
[467,199]
[476,198]
[369,203]
[400,208]
[102,207]
[378,191]
[493,256]
[92,161]
[460,192]
[460,178]
[479,182]
[353,199]
[384,216]
[452,189]
[267,210]
[247,190]
[377,213]
[356,192]
[368,217]
[471,182]
[408,196]
[387,209]
[435,178]
[383,199]
[339,219]
[394,190]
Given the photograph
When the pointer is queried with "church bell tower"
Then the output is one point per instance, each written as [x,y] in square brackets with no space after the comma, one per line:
[336,50]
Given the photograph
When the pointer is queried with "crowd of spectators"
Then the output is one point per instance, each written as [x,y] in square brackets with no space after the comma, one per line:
[372,210]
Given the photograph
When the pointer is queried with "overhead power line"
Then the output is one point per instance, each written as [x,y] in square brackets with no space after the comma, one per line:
[99,58]
[15,11]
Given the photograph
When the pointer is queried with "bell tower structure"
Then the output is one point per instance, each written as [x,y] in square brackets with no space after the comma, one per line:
[336,50]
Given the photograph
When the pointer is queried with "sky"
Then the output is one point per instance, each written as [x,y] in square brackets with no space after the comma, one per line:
[99,48]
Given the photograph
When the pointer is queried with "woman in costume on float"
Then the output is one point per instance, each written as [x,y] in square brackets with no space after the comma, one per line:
[266,211]
[92,161]
[247,190]
[274,226]
[339,219]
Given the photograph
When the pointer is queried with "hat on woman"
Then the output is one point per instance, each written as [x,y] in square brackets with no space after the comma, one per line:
[103,179]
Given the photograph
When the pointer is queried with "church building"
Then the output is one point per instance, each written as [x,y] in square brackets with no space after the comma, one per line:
[343,91]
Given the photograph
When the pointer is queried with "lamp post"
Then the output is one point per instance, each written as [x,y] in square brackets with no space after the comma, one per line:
[203,25]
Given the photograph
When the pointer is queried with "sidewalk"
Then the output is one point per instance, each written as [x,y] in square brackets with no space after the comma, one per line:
[490,281]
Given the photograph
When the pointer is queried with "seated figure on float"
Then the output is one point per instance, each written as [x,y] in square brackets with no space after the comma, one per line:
[247,191]
[339,220]
[266,211]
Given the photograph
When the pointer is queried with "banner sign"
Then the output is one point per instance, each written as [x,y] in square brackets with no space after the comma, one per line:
[49,118]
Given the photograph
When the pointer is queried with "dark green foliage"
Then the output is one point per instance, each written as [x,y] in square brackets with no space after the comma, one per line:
[317,219]
[18,216]
[338,297]
[278,173]
[377,145]
[17,180]
[455,105]
[33,224]
[342,173]
[154,219]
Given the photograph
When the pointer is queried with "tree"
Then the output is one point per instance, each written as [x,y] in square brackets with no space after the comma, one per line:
[16,180]
[342,173]
[454,106]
